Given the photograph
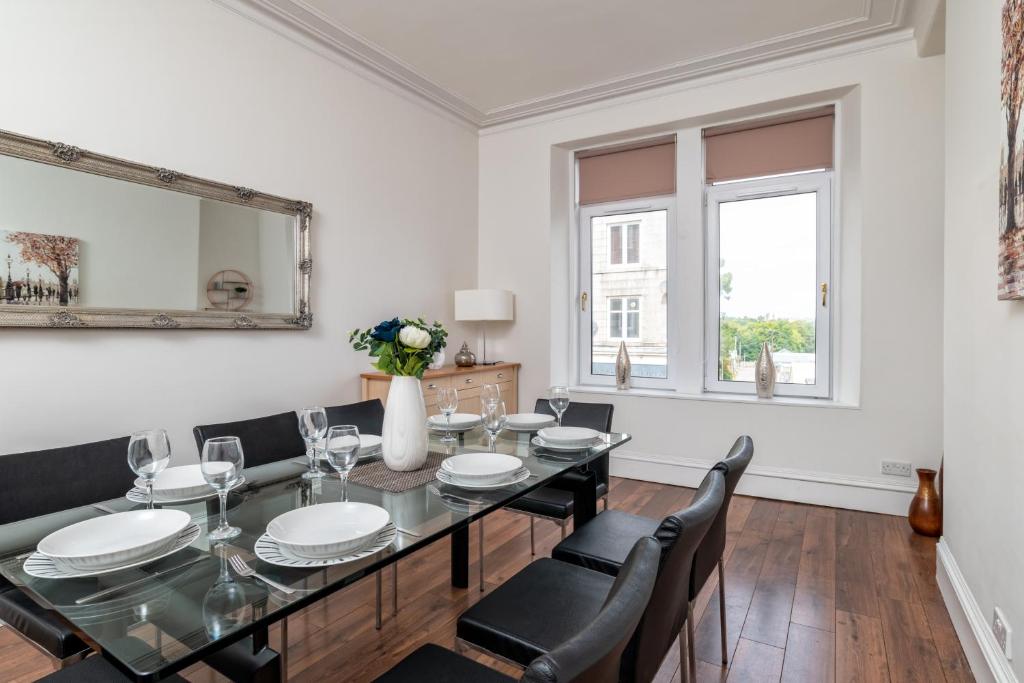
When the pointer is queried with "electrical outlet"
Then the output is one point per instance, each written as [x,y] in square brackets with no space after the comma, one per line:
[1001,629]
[896,468]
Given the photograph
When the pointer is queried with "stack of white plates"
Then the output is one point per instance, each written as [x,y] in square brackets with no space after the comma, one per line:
[529,422]
[328,531]
[113,542]
[482,471]
[369,445]
[460,422]
[567,438]
[179,484]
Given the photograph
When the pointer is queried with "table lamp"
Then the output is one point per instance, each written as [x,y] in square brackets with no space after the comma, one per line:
[483,305]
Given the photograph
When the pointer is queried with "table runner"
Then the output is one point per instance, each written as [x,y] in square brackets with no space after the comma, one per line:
[377,475]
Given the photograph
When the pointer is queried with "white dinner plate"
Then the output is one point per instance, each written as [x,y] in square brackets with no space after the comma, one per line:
[186,481]
[367,444]
[481,468]
[114,540]
[43,567]
[327,530]
[541,443]
[461,422]
[270,552]
[446,478]
[568,436]
[139,495]
[529,422]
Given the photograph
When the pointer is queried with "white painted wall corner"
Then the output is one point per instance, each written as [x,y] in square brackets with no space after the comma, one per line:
[980,647]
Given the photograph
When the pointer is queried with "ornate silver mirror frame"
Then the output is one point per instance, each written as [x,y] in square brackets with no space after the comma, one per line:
[69,156]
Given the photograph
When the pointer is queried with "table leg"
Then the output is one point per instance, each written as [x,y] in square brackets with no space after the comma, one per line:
[460,557]
[584,497]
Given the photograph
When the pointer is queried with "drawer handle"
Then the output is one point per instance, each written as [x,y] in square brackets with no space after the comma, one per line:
[469,380]
[500,375]
[431,386]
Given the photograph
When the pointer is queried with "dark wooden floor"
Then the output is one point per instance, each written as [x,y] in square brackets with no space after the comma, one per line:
[813,594]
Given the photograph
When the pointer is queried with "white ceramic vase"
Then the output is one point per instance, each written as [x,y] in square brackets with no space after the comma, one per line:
[437,362]
[405,426]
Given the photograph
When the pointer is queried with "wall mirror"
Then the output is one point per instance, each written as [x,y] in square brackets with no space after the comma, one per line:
[88,240]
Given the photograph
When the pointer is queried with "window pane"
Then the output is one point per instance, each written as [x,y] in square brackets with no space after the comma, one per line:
[768,286]
[635,292]
[615,243]
[633,246]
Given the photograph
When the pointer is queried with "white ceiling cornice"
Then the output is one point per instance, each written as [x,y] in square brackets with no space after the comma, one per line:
[305,24]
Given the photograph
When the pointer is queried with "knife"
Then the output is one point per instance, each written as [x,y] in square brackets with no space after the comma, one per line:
[117,589]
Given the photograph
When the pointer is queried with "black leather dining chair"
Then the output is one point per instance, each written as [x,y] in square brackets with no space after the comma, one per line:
[42,482]
[604,544]
[368,416]
[593,654]
[554,503]
[540,606]
[264,439]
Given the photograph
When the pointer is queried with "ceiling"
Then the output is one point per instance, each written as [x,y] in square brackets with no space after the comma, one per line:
[491,61]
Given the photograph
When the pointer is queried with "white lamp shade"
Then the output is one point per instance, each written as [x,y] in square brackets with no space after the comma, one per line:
[474,305]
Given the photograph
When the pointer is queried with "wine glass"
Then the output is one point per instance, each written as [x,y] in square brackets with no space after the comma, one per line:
[343,452]
[149,453]
[490,394]
[312,427]
[558,399]
[222,465]
[224,603]
[494,419]
[447,403]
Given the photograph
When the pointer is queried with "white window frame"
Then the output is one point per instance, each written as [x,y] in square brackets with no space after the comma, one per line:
[584,318]
[819,182]
[624,245]
[624,321]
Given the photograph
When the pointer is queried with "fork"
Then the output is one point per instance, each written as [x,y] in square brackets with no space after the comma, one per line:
[243,569]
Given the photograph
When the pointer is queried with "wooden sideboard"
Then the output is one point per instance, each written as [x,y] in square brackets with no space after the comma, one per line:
[467,380]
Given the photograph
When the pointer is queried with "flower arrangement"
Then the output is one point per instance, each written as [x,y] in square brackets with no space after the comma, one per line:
[402,347]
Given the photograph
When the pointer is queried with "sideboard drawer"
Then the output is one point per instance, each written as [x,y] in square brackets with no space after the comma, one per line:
[430,386]
[468,381]
[497,376]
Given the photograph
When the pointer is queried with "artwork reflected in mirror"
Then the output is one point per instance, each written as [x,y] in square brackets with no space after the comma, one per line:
[1011,169]
[122,244]
[38,269]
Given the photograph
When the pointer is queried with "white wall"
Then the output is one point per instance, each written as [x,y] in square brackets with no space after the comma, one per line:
[891,280]
[983,337]
[191,86]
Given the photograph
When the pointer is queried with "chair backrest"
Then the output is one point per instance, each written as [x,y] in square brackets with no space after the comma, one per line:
[368,416]
[679,535]
[710,550]
[594,655]
[41,482]
[594,415]
[264,439]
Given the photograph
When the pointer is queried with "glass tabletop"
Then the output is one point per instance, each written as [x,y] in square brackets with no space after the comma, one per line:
[185,613]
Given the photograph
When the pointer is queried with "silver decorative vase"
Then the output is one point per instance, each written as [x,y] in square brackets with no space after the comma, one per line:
[623,368]
[764,373]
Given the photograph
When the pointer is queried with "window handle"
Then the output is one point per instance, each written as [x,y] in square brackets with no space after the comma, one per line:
[824,293]
[583,302]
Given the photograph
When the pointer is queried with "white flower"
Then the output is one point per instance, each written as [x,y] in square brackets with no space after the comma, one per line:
[414,337]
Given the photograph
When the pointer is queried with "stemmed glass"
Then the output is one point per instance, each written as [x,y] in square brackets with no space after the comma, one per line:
[224,604]
[149,452]
[558,399]
[448,403]
[490,394]
[343,452]
[222,465]
[494,419]
[312,427]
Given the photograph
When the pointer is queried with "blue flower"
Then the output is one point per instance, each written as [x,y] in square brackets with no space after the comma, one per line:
[387,330]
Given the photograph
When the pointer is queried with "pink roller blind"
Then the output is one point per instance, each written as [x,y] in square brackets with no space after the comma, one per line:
[628,174]
[797,142]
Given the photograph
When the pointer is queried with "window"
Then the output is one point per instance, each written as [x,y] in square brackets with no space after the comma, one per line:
[622,298]
[768,263]
[623,239]
[624,317]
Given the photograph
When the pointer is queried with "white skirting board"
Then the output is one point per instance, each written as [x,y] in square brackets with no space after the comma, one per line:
[979,643]
[779,483]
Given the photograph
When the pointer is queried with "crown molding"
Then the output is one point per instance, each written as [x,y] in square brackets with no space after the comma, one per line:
[306,25]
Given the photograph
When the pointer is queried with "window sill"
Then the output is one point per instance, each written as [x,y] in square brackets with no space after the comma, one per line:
[795,401]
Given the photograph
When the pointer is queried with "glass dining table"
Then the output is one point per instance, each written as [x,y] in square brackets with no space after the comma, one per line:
[191,606]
